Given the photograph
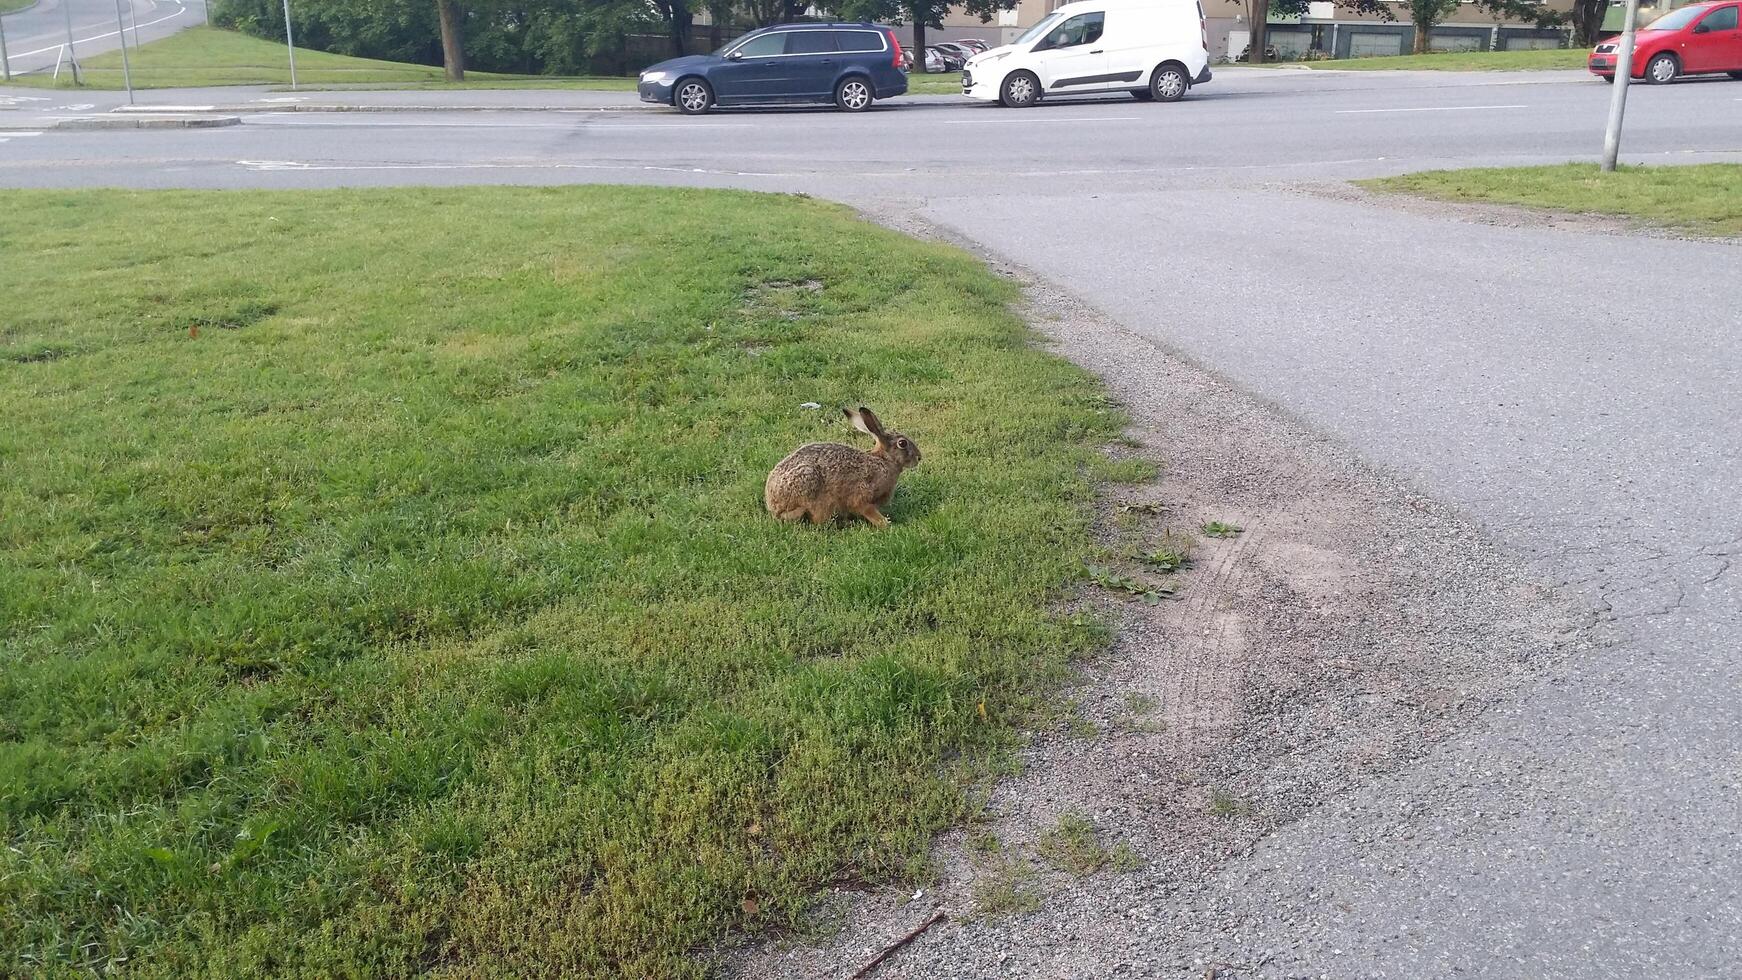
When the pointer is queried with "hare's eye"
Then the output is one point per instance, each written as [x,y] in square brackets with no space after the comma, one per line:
[902,443]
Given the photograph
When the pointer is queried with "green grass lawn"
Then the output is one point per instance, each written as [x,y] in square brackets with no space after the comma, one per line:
[8,6]
[1461,61]
[385,585]
[202,56]
[1701,198]
[206,56]
[943,83]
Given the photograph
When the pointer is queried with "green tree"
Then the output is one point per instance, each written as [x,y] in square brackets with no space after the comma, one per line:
[1587,19]
[453,40]
[920,13]
[679,21]
[1258,16]
[1427,14]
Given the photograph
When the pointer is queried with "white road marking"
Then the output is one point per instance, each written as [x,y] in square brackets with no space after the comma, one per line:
[375,119]
[81,107]
[1432,108]
[180,9]
[283,165]
[4,136]
[17,99]
[284,98]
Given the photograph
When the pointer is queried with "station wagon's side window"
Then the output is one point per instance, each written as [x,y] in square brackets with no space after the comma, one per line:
[1081,29]
[1722,19]
[762,47]
[811,42]
[860,40]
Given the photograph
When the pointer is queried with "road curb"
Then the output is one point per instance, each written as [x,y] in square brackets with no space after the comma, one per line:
[127,122]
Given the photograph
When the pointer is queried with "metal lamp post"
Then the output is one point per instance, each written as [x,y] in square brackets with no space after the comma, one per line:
[1618,100]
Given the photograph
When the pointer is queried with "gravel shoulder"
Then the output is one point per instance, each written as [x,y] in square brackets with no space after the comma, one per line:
[1351,625]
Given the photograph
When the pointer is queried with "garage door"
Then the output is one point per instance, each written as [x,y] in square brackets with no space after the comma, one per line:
[1370,44]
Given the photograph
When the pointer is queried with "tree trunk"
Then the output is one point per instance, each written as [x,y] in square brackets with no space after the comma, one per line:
[453,45]
[680,24]
[1587,17]
[919,45]
[714,41]
[1260,37]
[1421,33]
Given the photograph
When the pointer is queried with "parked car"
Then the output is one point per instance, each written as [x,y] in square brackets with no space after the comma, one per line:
[954,50]
[934,60]
[1154,49]
[851,65]
[1699,39]
[973,44]
[949,60]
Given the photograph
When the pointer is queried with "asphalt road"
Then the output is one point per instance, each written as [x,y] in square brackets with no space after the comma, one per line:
[1574,392]
[34,36]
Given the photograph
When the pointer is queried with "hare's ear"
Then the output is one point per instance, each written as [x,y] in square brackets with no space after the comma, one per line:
[868,423]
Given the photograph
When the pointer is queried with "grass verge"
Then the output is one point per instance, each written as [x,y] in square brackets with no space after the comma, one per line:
[8,6]
[385,587]
[1460,61]
[1700,198]
[205,56]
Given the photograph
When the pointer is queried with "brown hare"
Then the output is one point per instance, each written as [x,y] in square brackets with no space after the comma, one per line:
[826,480]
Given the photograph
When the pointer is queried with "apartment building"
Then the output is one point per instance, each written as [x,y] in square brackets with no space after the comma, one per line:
[1326,31]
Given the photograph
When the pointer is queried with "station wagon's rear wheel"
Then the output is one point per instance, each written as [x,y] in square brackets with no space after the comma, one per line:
[1169,83]
[693,97]
[1021,89]
[853,95]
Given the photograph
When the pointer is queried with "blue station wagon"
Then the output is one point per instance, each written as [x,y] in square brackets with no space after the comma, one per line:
[851,65]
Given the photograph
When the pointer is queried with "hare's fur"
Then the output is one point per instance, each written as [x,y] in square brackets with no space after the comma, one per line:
[825,480]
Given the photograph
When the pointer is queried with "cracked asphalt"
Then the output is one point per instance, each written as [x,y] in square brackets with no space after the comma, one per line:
[1572,391]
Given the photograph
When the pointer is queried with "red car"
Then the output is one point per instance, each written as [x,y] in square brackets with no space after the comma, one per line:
[1699,39]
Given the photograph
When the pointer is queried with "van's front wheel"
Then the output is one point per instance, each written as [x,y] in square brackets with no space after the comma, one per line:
[1020,90]
[1169,83]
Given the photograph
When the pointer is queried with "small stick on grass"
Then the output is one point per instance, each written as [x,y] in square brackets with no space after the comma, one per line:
[865,970]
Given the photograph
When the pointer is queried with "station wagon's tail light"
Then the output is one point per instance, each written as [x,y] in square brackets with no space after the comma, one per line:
[895,45]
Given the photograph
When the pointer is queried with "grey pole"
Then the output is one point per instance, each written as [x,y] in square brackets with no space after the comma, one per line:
[291,45]
[1618,100]
[133,15]
[5,66]
[126,68]
[72,53]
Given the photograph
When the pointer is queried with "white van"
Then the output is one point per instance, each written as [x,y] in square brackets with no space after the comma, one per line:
[1154,49]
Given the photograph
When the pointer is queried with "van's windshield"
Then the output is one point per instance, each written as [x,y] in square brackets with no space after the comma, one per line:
[1038,29]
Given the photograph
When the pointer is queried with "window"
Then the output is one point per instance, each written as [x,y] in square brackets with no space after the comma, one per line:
[763,45]
[1081,29]
[810,42]
[1722,19]
[860,41]
[1675,20]
[1038,29]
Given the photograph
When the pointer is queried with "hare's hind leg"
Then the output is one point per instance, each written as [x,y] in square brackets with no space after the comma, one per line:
[795,514]
[873,515]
